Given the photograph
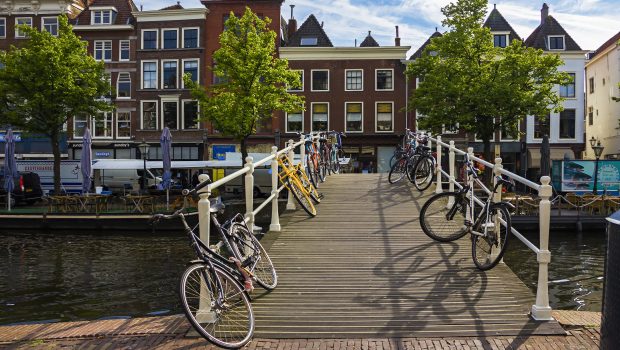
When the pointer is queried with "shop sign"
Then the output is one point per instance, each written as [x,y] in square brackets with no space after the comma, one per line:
[219,151]
[16,135]
[103,154]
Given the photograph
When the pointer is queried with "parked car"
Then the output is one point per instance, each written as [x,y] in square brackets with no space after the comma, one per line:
[27,188]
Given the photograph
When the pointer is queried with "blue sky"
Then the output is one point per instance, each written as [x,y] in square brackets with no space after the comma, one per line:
[589,22]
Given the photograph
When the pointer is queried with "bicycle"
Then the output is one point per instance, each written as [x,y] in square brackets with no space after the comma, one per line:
[324,157]
[448,216]
[335,149]
[297,183]
[421,167]
[311,159]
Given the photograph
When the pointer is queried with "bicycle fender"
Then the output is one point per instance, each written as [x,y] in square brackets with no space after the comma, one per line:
[508,206]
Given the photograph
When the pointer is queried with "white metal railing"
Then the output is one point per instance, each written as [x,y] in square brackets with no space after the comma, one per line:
[541,310]
[204,205]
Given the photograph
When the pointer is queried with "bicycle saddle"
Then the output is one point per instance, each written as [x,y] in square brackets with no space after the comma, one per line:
[217,205]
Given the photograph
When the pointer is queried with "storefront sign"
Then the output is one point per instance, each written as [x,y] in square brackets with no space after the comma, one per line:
[578,175]
[103,154]
[17,136]
[219,151]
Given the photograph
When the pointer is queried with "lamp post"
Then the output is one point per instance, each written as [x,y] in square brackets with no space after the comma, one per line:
[598,150]
[205,144]
[144,150]
[277,137]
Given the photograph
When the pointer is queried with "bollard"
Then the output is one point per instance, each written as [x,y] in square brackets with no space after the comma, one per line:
[610,322]
[275,215]
[542,311]
[439,186]
[249,193]
[290,202]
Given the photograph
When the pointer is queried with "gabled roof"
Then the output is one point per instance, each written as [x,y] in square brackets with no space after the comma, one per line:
[497,23]
[124,7]
[310,29]
[538,38]
[176,6]
[369,41]
[418,53]
[614,40]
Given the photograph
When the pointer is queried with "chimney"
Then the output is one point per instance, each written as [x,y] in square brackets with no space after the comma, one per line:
[355,42]
[544,13]
[292,23]
[397,39]
[322,24]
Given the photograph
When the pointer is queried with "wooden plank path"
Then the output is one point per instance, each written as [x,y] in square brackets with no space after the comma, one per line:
[364,268]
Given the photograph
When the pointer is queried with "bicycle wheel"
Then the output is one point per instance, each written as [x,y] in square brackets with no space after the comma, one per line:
[442,217]
[253,256]
[488,250]
[335,163]
[311,172]
[302,198]
[225,319]
[423,173]
[314,193]
[322,167]
[398,171]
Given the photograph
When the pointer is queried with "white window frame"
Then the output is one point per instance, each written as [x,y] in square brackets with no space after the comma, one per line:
[3,19]
[103,50]
[161,117]
[120,50]
[163,39]
[176,75]
[501,138]
[556,36]
[183,37]
[156,74]
[376,80]
[303,117]
[476,139]
[505,34]
[574,86]
[142,102]
[311,113]
[574,125]
[102,10]
[17,30]
[345,114]
[50,17]
[445,131]
[93,122]
[183,69]
[156,38]
[345,78]
[117,128]
[312,79]
[183,113]
[549,117]
[303,74]
[377,119]
[85,125]
[118,79]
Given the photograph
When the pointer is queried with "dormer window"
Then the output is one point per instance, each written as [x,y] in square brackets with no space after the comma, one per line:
[500,40]
[309,41]
[103,16]
[556,42]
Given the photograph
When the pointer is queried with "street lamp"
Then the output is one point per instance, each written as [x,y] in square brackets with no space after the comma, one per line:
[144,150]
[598,150]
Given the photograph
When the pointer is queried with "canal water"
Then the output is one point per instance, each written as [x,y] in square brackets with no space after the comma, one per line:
[67,277]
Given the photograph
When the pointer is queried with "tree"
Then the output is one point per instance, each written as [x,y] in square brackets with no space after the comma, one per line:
[47,81]
[466,80]
[253,80]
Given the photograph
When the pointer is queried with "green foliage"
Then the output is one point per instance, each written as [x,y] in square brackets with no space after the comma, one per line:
[466,79]
[253,80]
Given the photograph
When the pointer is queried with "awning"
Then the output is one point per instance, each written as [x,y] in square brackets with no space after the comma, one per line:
[533,155]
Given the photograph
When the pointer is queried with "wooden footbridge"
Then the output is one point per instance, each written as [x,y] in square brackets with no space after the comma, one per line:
[363,268]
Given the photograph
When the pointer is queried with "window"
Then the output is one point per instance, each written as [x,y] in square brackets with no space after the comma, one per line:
[500,40]
[79,123]
[320,80]
[320,116]
[541,126]
[556,43]
[149,39]
[149,115]
[123,125]
[123,85]
[190,38]
[2,27]
[103,17]
[384,79]
[509,133]
[590,115]
[295,121]
[354,80]
[567,124]
[568,90]
[191,67]
[169,76]
[149,75]
[22,21]
[170,38]
[301,77]
[103,50]
[450,129]
[50,25]
[125,46]
[309,41]
[591,83]
[102,125]
[170,114]
[354,119]
[385,116]
[190,114]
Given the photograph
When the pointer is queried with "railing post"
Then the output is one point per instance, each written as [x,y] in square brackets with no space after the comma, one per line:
[542,311]
[249,193]
[439,186]
[204,223]
[497,198]
[290,202]
[451,168]
[275,215]
[470,183]
[302,151]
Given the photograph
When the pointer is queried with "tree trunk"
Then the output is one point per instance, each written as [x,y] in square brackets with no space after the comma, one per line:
[244,155]
[56,151]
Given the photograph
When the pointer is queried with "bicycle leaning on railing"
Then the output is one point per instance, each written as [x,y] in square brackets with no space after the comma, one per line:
[414,161]
[214,288]
[448,216]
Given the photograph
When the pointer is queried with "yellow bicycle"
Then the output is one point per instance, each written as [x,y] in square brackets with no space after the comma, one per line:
[295,180]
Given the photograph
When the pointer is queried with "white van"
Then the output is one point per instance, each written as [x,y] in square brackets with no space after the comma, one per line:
[121,180]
